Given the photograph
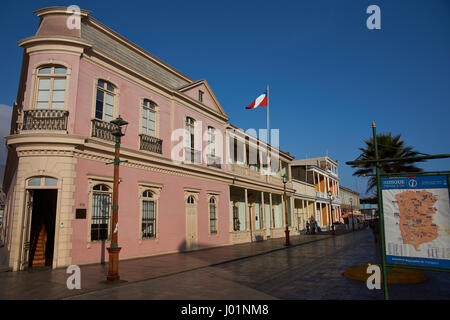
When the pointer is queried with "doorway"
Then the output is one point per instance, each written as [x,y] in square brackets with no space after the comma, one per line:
[42,204]
[191,223]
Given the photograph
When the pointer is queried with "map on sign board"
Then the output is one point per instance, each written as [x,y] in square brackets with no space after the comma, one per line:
[417,220]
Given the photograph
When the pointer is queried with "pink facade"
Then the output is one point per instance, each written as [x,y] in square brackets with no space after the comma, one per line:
[64,150]
[172,222]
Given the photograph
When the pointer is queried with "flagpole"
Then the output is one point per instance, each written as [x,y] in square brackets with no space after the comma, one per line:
[268,134]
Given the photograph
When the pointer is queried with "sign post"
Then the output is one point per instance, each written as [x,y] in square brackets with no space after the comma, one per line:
[422,246]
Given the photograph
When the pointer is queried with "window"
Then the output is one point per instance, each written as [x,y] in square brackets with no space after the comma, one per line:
[148,118]
[104,104]
[236,222]
[211,141]
[148,215]
[252,157]
[212,215]
[200,95]
[190,200]
[42,182]
[51,87]
[101,208]
[284,169]
[191,155]
[275,165]
[190,134]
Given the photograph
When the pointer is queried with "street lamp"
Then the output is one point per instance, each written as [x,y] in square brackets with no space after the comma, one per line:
[331,212]
[113,250]
[351,210]
[285,212]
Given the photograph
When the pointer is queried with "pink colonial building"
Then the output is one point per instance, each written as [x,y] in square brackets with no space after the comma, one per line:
[185,184]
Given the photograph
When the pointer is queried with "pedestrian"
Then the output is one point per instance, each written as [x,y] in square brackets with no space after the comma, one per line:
[313,227]
[307,227]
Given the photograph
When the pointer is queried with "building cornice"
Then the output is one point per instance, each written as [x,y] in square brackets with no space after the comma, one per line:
[47,44]
[320,170]
[59,10]
[34,144]
[348,190]
[254,140]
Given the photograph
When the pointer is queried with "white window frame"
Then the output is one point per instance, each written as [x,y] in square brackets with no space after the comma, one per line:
[91,204]
[51,76]
[155,112]
[105,91]
[216,205]
[156,194]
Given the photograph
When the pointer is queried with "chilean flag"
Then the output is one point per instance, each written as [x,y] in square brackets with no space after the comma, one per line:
[261,101]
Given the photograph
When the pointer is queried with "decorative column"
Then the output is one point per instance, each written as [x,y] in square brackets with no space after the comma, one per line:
[247,213]
[303,213]
[262,223]
[272,223]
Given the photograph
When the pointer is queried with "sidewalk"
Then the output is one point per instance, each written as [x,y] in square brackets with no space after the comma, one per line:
[51,284]
[3,253]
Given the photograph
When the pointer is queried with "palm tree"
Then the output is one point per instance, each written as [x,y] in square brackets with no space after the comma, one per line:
[388,147]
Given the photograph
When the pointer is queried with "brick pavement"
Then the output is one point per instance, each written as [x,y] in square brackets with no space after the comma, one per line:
[51,284]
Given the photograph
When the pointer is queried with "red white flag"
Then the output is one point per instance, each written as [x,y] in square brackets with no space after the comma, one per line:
[261,101]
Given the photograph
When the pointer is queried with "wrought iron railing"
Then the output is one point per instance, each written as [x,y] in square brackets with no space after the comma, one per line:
[151,144]
[192,156]
[45,119]
[103,130]
[213,161]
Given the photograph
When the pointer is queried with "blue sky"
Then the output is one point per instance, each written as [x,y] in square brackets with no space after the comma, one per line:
[329,76]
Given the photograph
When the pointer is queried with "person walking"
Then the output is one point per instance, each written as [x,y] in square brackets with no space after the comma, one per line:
[307,227]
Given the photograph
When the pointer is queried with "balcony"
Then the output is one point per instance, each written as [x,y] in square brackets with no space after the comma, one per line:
[192,156]
[45,119]
[149,143]
[213,161]
[241,169]
[322,195]
[103,130]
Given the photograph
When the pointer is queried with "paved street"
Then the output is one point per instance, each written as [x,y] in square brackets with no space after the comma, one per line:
[311,269]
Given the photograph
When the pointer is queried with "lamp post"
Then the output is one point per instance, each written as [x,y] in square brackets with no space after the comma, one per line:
[351,210]
[285,212]
[331,212]
[113,250]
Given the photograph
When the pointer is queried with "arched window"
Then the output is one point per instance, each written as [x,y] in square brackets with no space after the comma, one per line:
[51,87]
[105,101]
[101,209]
[212,215]
[148,215]
[148,118]
[190,200]
[42,182]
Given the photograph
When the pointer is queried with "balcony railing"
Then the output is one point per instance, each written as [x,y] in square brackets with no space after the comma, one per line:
[213,161]
[151,144]
[322,195]
[45,119]
[103,130]
[192,156]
